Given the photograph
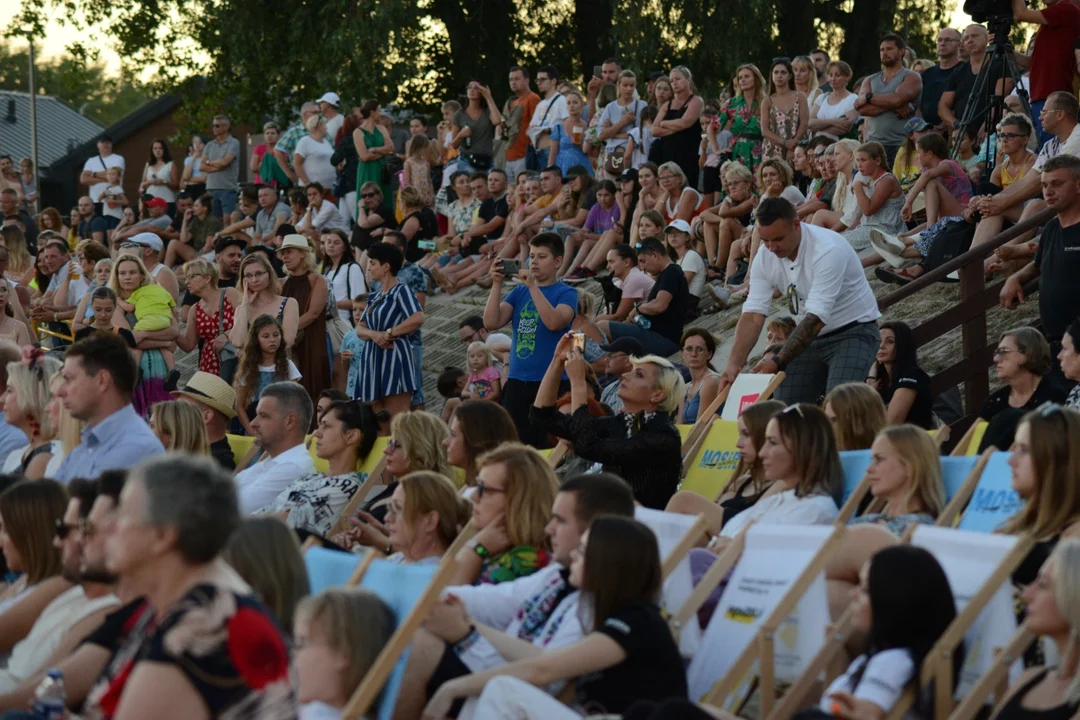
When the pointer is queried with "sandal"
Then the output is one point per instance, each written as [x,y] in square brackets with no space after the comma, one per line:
[895,277]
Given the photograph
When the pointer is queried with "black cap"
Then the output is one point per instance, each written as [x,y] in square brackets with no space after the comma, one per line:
[228,241]
[576,171]
[628,345]
[628,175]
[105,138]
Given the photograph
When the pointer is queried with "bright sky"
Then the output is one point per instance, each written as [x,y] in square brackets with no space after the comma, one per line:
[57,37]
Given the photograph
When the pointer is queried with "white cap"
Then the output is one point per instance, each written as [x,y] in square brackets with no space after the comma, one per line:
[330,97]
[146,239]
[680,225]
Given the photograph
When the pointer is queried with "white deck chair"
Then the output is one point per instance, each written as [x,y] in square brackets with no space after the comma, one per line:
[676,535]
[771,618]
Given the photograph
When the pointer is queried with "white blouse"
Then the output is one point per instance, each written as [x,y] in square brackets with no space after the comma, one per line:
[784,509]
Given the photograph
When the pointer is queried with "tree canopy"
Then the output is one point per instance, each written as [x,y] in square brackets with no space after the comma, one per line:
[260,61]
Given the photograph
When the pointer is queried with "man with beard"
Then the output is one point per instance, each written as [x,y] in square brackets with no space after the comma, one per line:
[76,612]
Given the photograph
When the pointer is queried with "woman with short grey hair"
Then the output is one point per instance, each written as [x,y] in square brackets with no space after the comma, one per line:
[203,645]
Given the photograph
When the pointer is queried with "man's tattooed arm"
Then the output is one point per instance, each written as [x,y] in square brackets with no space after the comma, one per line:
[800,339]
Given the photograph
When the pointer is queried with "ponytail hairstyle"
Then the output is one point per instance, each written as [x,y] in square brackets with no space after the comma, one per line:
[355,415]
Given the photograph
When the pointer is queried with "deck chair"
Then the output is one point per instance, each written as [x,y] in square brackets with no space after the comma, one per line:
[771,618]
[856,484]
[709,470]
[371,471]
[978,566]
[675,535]
[556,454]
[747,389]
[996,679]
[969,441]
[333,568]
[986,498]
[411,591]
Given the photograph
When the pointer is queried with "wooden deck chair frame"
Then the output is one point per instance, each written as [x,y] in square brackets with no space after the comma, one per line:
[368,691]
[825,661]
[937,667]
[370,555]
[342,523]
[705,419]
[996,679]
[952,511]
[762,648]
[558,453]
[683,547]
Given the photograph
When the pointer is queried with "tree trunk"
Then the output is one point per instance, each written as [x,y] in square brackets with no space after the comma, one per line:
[795,27]
[863,28]
[481,40]
[594,35]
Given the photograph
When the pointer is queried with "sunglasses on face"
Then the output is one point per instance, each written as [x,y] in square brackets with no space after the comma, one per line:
[368,195]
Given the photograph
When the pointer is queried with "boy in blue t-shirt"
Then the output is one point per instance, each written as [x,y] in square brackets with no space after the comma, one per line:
[542,310]
[352,347]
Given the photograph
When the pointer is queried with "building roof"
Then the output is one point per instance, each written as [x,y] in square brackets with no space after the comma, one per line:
[126,126]
[59,128]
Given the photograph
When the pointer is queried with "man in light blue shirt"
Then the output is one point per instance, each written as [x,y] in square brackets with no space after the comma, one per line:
[97,381]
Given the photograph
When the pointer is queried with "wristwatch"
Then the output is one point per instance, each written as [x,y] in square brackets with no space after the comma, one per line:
[481,551]
[390,333]
[869,96]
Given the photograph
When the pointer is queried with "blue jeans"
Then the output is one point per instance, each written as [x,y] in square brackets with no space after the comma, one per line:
[224,201]
[653,343]
[542,158]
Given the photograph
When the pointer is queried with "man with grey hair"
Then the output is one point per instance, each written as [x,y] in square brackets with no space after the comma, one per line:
[221,164]
[282,417]
[287,144]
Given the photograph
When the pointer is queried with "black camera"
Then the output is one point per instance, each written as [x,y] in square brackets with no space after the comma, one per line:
[983,11]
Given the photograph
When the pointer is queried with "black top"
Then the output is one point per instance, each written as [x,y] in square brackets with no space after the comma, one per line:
[361,237]
[223,453]
[428,230]
[652,670]
[934,80]
[962,82]
[682,146]
[670,322]
[1058,260]
[345,150]
[644,450]
[1013,709]
[86,332]
[1048,390]
[922,410]
[739,502]
[489,210]
[87,228]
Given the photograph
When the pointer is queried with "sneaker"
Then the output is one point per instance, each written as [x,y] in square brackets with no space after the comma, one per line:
[721,295]
[954,276]
[889,247]
[579,276]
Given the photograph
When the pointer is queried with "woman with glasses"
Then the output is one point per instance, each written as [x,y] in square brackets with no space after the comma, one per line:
[1012,140]
[344,438]
[260,291]
[1022,361]
[698,348]
[477,427]
[741,116]
[677,126]
[515,490]
[822,188]
[678,199]
[833,114]
[723,224]
[374,217]
[214,315]
[784,112]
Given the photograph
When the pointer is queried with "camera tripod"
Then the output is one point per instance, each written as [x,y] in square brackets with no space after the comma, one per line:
[999,64]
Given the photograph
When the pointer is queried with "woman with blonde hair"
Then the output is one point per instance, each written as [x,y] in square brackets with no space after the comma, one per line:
[515,490]
[25,399]
[843,161]
[19,259]
[266,554]
[806,79]
[339,633]
[424,517]
[213,317]
[678,199]
[904,472]
[179,426]
[857,414]
[746,484]
[311,292]
[68,429]
[260,292]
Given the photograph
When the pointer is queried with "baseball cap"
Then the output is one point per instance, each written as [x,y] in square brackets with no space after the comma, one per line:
[330,97]
[228,241]
[628,175]
[915,124]
[576,171]
[680,225]
[146,239]
[156,202]
[628,345]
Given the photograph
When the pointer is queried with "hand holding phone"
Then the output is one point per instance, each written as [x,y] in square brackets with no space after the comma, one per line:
[510,268]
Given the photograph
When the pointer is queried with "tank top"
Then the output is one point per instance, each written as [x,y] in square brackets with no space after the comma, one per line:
[1014,710]
[886,128]
[682,146]
[958,184]
[1007,178]
[739,502]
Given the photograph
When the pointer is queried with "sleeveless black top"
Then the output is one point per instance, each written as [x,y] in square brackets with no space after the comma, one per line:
[735,505]
[1014,711]
[682,147]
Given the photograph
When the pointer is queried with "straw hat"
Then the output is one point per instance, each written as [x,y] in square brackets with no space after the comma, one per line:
[294,241]
[211,391]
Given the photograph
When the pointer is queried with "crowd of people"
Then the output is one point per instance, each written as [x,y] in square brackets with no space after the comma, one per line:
[160,568]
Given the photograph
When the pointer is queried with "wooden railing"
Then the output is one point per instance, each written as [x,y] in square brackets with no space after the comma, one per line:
[969,314]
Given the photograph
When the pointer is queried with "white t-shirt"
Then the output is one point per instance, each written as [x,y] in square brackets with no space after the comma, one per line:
[548,112]
[164,192]
[116,212]
[294,372]
[828,277]
[348,282]
[99,164]
[833,112]
[691,262]
[327,217]
[784,509]
[614,112]
[642,142]
[882,683]
[317,166]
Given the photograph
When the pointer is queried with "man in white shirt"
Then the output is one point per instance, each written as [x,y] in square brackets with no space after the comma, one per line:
[819,274]
[93,172]
[476,628]
[329,105]
[282,417]
[321,215]
[550,111]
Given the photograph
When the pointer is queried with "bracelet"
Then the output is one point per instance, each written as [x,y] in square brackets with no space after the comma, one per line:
[466,642]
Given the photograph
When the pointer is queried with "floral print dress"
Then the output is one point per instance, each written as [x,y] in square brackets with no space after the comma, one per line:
[517,562]
[744,122]
[784,124]
[207,327]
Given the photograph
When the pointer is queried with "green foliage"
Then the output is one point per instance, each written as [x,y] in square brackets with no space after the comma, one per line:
[79,79]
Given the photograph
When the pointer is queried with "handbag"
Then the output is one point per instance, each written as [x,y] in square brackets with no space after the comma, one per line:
[335,326]
[229,355]
[479,161]
[615,160]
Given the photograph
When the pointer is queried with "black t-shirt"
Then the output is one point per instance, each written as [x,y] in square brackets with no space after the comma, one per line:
[1048,390]
[190,299]
[87,228]
[86,332]
[653,669]
[222,452]
[362,238]
[428,230]
[489,210]
[934,81]
[670,322]
[922,410]
[1058,260]
[962,82]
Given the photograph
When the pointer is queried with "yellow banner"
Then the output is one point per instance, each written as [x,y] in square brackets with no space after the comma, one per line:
[715,461]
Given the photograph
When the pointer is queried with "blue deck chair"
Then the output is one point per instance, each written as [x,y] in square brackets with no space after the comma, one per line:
[334,568]
[854,464]
[410,591]
[955,471]
[994,500]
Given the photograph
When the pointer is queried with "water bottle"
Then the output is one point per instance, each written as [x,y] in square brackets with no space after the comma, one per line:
[50,700]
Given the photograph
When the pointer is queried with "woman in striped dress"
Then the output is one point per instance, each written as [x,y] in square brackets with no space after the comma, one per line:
[387,378]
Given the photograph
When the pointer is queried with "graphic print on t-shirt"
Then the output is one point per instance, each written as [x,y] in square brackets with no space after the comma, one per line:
[526,330]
